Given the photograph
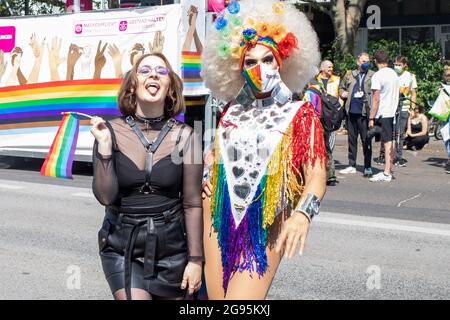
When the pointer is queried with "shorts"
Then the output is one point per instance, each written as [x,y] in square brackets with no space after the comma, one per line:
[387,129]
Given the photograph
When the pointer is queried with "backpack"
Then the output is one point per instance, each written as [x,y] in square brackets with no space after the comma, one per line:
[331,113]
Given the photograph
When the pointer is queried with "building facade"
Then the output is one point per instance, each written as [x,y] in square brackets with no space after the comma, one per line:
[406,20]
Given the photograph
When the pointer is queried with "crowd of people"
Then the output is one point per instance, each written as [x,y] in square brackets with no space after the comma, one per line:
[379,106]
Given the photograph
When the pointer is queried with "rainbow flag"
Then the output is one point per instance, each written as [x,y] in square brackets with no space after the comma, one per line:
[58,162]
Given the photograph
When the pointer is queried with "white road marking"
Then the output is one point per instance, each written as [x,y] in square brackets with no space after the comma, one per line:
[10,186]
[390,224]
[83,194]
[440,229]
[412,198]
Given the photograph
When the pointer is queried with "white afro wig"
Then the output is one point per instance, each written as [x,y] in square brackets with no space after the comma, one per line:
[222,75]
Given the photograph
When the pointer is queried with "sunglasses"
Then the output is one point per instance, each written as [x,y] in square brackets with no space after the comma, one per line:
[147,70]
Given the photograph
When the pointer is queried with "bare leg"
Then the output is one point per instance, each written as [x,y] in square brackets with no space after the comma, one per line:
[388,157]
[213,259]
[136,294]
[241,285]
[244,287]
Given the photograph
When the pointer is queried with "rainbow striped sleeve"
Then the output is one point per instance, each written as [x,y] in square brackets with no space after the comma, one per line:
[58,162]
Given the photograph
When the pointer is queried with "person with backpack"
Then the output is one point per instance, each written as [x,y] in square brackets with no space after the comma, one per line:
[323,93]
[355,88]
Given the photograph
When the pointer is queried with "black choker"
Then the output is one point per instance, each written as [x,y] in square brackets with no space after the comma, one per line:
[150,120]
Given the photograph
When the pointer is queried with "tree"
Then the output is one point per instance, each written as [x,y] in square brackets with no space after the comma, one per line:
[346,16]
[30,7]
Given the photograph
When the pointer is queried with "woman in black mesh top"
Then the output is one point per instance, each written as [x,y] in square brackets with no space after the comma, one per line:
[146,176]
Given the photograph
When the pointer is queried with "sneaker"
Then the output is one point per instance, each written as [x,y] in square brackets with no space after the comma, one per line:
[400,162]
[332,183]
[348,170]
[368,172]
[379,160]
[447,167]
[381,177]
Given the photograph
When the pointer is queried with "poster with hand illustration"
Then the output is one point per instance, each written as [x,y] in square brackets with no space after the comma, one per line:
[74,62]
[193,19]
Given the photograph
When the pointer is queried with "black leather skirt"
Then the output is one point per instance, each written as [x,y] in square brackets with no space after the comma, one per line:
[145,251]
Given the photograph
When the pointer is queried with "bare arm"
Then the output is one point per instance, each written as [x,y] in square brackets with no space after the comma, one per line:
[375,104]
[38,50]
[295,228]
[413,98]
[408,130]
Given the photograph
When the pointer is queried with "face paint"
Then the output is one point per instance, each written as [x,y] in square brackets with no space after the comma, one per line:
[262,78]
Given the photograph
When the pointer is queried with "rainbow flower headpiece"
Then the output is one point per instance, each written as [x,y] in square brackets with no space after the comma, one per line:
[239,36]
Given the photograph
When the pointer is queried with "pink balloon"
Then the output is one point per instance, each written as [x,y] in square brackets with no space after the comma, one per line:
[216,5]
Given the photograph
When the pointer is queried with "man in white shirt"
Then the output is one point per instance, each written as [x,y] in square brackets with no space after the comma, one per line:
[385,95]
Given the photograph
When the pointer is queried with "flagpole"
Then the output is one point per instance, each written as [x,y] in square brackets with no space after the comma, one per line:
[78,113]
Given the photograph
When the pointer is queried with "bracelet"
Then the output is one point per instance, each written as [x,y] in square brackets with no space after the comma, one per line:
[310,207]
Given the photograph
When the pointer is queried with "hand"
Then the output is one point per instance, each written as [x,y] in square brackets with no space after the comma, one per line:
[344,95]
[207,189]
[85,60]
[16,57]
[158,43]
[73,55]
[371,124]
[37,48]
[102,134]
[3,64]
[16,53]
[193,11]
[294,229]
[117,57]
[54,60]
[100,60]
[192,277]
[136,52]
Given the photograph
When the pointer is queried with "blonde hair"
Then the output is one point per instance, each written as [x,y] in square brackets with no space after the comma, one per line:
[223,76]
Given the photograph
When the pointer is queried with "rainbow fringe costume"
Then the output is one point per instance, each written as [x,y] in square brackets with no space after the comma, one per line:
[243,230]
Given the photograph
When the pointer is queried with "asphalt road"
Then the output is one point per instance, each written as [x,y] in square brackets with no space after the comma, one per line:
[371,240]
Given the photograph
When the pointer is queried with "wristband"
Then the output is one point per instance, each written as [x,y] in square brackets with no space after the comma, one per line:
[310,207]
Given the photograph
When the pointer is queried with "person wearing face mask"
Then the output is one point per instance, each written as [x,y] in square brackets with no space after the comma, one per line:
[327,83]
[355,88]
[408,95]
[145,174]
[267,176]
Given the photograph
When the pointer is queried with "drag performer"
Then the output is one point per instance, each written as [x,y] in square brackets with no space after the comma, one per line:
[267,176]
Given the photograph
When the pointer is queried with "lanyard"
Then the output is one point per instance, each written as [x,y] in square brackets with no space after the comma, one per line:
[361,81]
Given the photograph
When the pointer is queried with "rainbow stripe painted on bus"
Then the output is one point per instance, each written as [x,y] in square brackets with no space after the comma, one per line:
[59,160]
[41,104]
